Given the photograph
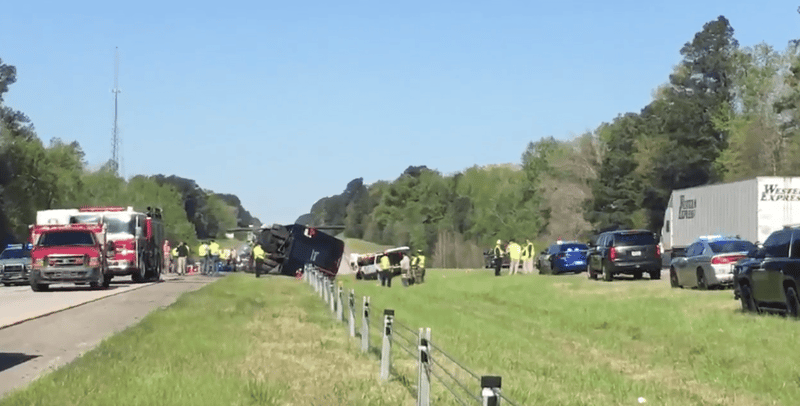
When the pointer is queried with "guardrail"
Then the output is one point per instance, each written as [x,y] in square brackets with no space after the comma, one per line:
[431,360]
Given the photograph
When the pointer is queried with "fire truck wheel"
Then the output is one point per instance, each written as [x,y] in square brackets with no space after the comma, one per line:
[107,281]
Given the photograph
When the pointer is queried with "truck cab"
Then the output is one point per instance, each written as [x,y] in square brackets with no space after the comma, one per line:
[71,253]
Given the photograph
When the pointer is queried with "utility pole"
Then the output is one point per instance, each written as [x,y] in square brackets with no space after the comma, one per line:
[115,139]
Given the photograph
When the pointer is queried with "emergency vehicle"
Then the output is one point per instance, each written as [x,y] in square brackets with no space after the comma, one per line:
[69,253]
[138,239]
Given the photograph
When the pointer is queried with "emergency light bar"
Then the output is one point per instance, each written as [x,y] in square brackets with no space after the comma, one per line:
[101,209]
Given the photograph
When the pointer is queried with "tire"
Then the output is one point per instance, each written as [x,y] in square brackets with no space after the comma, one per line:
[39,287]
[792,304]
[673,278]
[359,275]
[655,275]
[607,274]
[746,296]
[6,284]
[701,280]
[106,281]
[637,275]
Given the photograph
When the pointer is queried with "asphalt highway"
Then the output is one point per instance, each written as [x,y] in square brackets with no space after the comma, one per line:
[41,331]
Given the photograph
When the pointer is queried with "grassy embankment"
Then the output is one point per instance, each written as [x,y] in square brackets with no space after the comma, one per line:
[555,340]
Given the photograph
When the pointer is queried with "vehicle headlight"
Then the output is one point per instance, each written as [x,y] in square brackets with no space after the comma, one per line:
[1,268]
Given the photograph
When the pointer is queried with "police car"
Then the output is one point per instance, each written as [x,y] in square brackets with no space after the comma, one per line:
[708,262]
[15,264]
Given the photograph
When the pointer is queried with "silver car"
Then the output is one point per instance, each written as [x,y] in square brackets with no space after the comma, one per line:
[15,264]
[708,262]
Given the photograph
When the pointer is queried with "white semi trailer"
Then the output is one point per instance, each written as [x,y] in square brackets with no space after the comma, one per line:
[751,209]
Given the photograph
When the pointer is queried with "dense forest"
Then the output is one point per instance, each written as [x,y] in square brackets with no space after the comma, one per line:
[725,113]
[38,176]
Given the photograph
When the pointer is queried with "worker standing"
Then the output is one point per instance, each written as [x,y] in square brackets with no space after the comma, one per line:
[202,251]
[214,250]
[183,253]
[173,260]
[420,260]
[527,257]
[515,253]
[258,256]
[386,271]
[405,269]
[165,251]
[497,254]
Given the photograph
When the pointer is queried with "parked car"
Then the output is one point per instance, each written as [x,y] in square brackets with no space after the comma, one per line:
[708,262]
[563,257]
[768,279]
[15,264]
[631,252]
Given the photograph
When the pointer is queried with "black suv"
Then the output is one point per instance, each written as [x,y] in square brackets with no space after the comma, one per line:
[631,252]
[767,280]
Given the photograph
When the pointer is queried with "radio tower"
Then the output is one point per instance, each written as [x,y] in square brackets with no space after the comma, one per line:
[115,132]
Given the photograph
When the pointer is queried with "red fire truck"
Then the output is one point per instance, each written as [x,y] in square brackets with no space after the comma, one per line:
[137,236]
[69,253]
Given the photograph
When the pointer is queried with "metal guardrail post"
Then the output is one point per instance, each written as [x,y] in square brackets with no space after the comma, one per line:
[339,310]
[365,326]
[490,387]
[332,295]
[318,283]
[386,348]
[326,291]
[424,370]
[352,308]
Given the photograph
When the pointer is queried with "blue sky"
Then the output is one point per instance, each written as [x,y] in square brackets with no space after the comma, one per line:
[282,103]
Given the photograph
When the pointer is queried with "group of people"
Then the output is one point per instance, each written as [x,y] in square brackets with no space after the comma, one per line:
[210,254]
[517,254]
[412,269]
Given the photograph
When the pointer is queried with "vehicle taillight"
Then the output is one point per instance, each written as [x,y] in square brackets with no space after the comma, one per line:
[612,253]
[726,259]
[658,251]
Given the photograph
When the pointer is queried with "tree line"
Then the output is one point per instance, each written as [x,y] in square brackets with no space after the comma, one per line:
[726,113]
[37,176]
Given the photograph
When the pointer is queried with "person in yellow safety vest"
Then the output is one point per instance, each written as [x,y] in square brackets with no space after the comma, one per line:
[173,260]
[214,250]
[514,252]
[527,257]
[386,272]
[258,256]
[497,253]
[202,251]
[419,266]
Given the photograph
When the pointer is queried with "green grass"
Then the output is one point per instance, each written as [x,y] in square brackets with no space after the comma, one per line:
[555,340]
[239,341]
[363,247]
[562,340]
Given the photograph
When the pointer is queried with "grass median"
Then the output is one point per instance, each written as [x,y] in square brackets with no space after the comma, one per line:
[566,340]
[555,340]
[239,341]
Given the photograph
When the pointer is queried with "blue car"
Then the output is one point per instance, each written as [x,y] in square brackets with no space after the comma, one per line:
[563,257]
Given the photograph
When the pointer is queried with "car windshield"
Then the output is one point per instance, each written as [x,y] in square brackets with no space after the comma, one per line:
[15,253]
[573,247]
[635,239]
[61,238]
[721,247]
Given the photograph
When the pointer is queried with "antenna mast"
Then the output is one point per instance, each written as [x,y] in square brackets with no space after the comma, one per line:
[115,132]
